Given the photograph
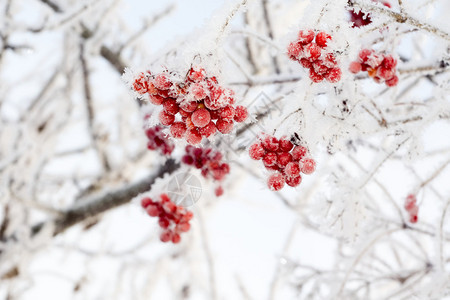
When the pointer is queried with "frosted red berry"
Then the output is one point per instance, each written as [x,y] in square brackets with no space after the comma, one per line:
[224,126]
[311,51]
[201,117]
[276,181]
[293,181]
[379,66]
[165,118]
[172,219]
[178,129]
[157,140]
[308,166]
[210,163]
[256,151]
[282,158]
[198,99]
[411,208]
[292,169]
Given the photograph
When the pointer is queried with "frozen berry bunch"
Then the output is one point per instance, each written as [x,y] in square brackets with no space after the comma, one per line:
[157,140]
[379,66]
[310,50]
[411,208]
[173,219]
[285,159]
[210,163]
[360,18]
[194,106]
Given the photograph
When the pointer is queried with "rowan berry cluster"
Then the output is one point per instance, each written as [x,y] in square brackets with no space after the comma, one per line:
[194,107]
[314,56]
[209,162]
[284,158]
[173,219]
[362,19]
[157,140]
[379,66]
[411,208]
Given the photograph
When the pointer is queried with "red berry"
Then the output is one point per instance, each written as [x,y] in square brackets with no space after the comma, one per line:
[162,82]
[224,127]
[165,118]
[153,210]
[321,39]
[218,191]
[292,169]
[208,130]
[275,182]
[270,143]
[201,117]
[306,63]
[227,113]
[293,180]
[241,114]
[312,51]
[364,54]
[157,100]
[177,129]
[389,62]
[188,106]
[299,152]
[285,145]
[295,50]
[165,236]
[184,227]
[170,106]
[256,151]
[198,91]
[355,67]
[334,75]
[184,114]
[163,223]
[176,238]
[270,159]
[308,166]
[305,36]
[410,201]
[314,76]
[141,84]
[283,159]
[193,137]
[319,67]
[146,201]
[393,81]
[197,74]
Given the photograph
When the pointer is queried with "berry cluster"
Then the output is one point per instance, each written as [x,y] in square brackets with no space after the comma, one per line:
[314,56]
[362,19]
[194,107]
[281,156]
[210,163]
[157,140]
[379,66]
[411,208]
[173,219]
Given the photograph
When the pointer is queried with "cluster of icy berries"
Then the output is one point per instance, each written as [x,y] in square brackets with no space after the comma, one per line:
[209,162]
[157,140]
[379,66]
[411,208]
[281,156]
[173,219]
[314,56]
[362,19]
[194,107]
